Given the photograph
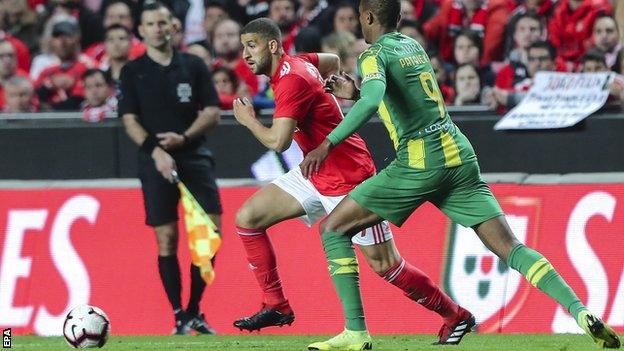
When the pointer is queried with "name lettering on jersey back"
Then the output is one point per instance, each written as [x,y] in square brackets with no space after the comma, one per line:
[413,60]
[408,48]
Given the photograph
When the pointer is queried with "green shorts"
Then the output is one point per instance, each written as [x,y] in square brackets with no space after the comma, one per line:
[399,190]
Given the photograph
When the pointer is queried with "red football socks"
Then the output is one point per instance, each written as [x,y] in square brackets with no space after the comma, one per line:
[262,263]
[417,286]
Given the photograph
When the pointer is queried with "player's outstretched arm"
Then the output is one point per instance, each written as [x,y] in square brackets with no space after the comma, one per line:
[370,98]
[278,137]
[328,64]
[371,95]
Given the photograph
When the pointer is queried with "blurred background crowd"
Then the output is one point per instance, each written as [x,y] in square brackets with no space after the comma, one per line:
[66,55]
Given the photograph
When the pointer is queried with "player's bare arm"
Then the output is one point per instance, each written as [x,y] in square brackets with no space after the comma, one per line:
[372,93]
[328,64]
[164,162]
[342,86]
[278,137]
[206,120]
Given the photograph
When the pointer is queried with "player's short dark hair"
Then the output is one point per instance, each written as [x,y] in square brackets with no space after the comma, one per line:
[594,54]
[95,71]
[544,44]
[154,5]
[265,27]
[115,27]
[387,12]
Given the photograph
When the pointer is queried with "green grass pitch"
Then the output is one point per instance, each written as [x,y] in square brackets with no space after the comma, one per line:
[472,342]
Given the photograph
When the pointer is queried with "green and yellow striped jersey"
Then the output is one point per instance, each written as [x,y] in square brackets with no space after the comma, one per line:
[413,108]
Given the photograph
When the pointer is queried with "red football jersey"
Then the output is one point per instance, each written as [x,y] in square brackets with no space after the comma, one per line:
[299,94]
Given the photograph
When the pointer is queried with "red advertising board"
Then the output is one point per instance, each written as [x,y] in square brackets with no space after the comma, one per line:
[63,247]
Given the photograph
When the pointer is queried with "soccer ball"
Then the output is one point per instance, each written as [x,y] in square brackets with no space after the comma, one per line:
[86,327]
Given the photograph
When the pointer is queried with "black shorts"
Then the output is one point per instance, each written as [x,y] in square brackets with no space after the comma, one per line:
[161,197]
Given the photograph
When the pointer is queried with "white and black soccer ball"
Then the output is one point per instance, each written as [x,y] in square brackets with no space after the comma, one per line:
[86,327]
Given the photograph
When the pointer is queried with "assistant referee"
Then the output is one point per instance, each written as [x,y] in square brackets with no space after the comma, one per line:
[168,102]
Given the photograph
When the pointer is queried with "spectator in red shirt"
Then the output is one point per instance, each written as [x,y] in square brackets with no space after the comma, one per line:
[100,101]
[117,42]
[60,86]
[570,29]
[606,37]
[8,66]
[488,18]
[283,13]
[228,87]
[19,95]
[527,30]
[541,57]
[227,46]
[117,13]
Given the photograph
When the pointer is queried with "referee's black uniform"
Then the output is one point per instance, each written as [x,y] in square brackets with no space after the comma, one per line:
[168,99]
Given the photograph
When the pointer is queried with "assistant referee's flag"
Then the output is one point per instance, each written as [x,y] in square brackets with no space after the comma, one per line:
[203,237]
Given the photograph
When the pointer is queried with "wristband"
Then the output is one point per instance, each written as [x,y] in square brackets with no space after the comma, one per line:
[185,139]
[149,144]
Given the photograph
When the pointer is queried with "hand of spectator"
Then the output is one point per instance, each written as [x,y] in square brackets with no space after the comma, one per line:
[489,99]
[170,140]
[63,81]
[164,163]
[616,89]
[244,111]
[342,86]
[496,97]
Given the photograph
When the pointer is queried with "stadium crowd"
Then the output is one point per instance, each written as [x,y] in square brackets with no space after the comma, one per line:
[66,55]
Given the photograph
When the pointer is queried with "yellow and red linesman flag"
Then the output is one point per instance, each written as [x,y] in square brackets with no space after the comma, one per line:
[204,239]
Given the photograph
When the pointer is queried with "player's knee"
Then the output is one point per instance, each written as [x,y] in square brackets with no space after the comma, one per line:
[381,265]
[330,225]
[246,218]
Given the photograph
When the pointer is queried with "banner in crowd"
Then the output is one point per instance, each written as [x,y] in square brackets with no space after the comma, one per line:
[558,100]
[64,247]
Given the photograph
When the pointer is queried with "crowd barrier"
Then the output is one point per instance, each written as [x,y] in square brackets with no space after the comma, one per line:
[64,246]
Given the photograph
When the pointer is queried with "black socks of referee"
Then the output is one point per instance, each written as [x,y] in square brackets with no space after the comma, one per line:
[197,288]
[169,270]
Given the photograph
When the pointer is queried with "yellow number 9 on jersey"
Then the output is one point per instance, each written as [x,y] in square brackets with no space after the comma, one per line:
[426,78]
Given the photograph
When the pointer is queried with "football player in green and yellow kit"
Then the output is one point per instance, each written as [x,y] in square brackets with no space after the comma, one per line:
[434,162]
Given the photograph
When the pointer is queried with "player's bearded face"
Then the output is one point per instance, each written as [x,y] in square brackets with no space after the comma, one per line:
[256,53]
